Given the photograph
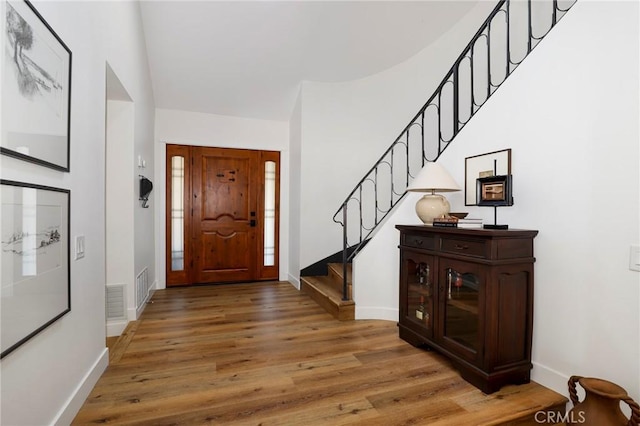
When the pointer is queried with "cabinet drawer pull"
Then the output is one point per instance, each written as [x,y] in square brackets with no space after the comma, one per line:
[462,247]
[423,243]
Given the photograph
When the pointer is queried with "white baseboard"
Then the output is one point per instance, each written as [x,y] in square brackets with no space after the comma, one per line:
[550,378]
[115,328]
[294,281]
[134,313]
[373,312]
[71,407]
[141,308]
[160,284]
[144,304]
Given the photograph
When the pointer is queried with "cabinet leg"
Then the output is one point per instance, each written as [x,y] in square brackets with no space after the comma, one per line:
[412,338]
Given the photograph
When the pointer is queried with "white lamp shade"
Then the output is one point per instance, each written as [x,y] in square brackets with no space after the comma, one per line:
[433,178]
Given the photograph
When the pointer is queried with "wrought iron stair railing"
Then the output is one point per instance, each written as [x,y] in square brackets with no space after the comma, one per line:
[504,40]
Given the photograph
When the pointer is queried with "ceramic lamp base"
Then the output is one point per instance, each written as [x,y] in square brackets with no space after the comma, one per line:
[431,206]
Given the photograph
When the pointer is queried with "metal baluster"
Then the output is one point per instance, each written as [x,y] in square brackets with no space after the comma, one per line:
[360,210]
[375,191]
[488,62]
[345,244]
[456,93]
[530,25]
[407,159]
[508,22]
[473,93]
[391,174]
[439,123]
[422,135]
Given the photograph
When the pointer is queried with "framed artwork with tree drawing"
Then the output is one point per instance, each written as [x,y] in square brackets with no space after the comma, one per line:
[36,88]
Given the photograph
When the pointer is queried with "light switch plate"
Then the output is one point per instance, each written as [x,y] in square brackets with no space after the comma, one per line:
[79,247]
[634,258]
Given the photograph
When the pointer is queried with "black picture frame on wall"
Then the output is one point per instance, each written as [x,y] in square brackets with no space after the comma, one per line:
[36,89]
[35,281]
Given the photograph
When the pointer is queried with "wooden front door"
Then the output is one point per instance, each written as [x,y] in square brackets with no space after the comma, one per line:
[224,221]
[225,188]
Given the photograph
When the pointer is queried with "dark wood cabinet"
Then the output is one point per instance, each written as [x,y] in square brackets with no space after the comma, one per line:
[468,294]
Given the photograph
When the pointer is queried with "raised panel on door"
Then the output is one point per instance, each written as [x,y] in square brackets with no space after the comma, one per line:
[226,191]
[418,301]
[226,254]
[225,186]
[461,301]
[512,313]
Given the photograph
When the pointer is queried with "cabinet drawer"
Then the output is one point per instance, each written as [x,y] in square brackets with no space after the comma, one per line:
[419,241]
[464,247]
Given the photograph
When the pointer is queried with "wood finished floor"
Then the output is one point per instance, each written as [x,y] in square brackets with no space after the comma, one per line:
[265,354]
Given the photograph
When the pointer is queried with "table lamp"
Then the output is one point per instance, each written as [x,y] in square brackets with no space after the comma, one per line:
[432,178]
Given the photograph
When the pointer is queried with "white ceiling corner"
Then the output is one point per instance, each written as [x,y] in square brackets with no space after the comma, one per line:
[248,58]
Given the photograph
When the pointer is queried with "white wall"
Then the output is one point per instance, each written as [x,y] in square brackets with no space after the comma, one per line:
[119,195]
[48,378]
[570,115]
[295,142]
[347,126]
[130,48]
[190,128]
[133,71]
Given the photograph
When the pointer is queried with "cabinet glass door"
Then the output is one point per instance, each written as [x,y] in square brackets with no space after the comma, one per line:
[461,294]
[419,278]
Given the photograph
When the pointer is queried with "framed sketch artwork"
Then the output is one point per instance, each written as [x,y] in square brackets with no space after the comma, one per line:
[35,286]
[36,88]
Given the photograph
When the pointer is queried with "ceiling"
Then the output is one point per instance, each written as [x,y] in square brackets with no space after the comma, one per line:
[248,58]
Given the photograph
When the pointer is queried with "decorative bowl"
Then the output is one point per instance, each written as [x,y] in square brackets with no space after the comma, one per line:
[459,215]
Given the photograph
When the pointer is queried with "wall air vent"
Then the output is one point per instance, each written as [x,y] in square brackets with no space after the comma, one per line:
[142,288]
[116,306]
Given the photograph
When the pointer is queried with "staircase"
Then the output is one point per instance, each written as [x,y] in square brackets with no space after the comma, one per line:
[326,290]
[508,35]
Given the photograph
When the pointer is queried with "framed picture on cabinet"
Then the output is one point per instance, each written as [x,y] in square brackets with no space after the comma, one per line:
[36,88]
[494,191]
[35,285]
[497,163]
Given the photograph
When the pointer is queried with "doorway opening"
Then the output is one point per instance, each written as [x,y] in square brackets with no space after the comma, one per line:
[119,140]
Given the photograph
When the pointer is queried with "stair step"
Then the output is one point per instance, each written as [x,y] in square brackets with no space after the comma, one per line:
[322,290]
[335,269]
[335,278]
